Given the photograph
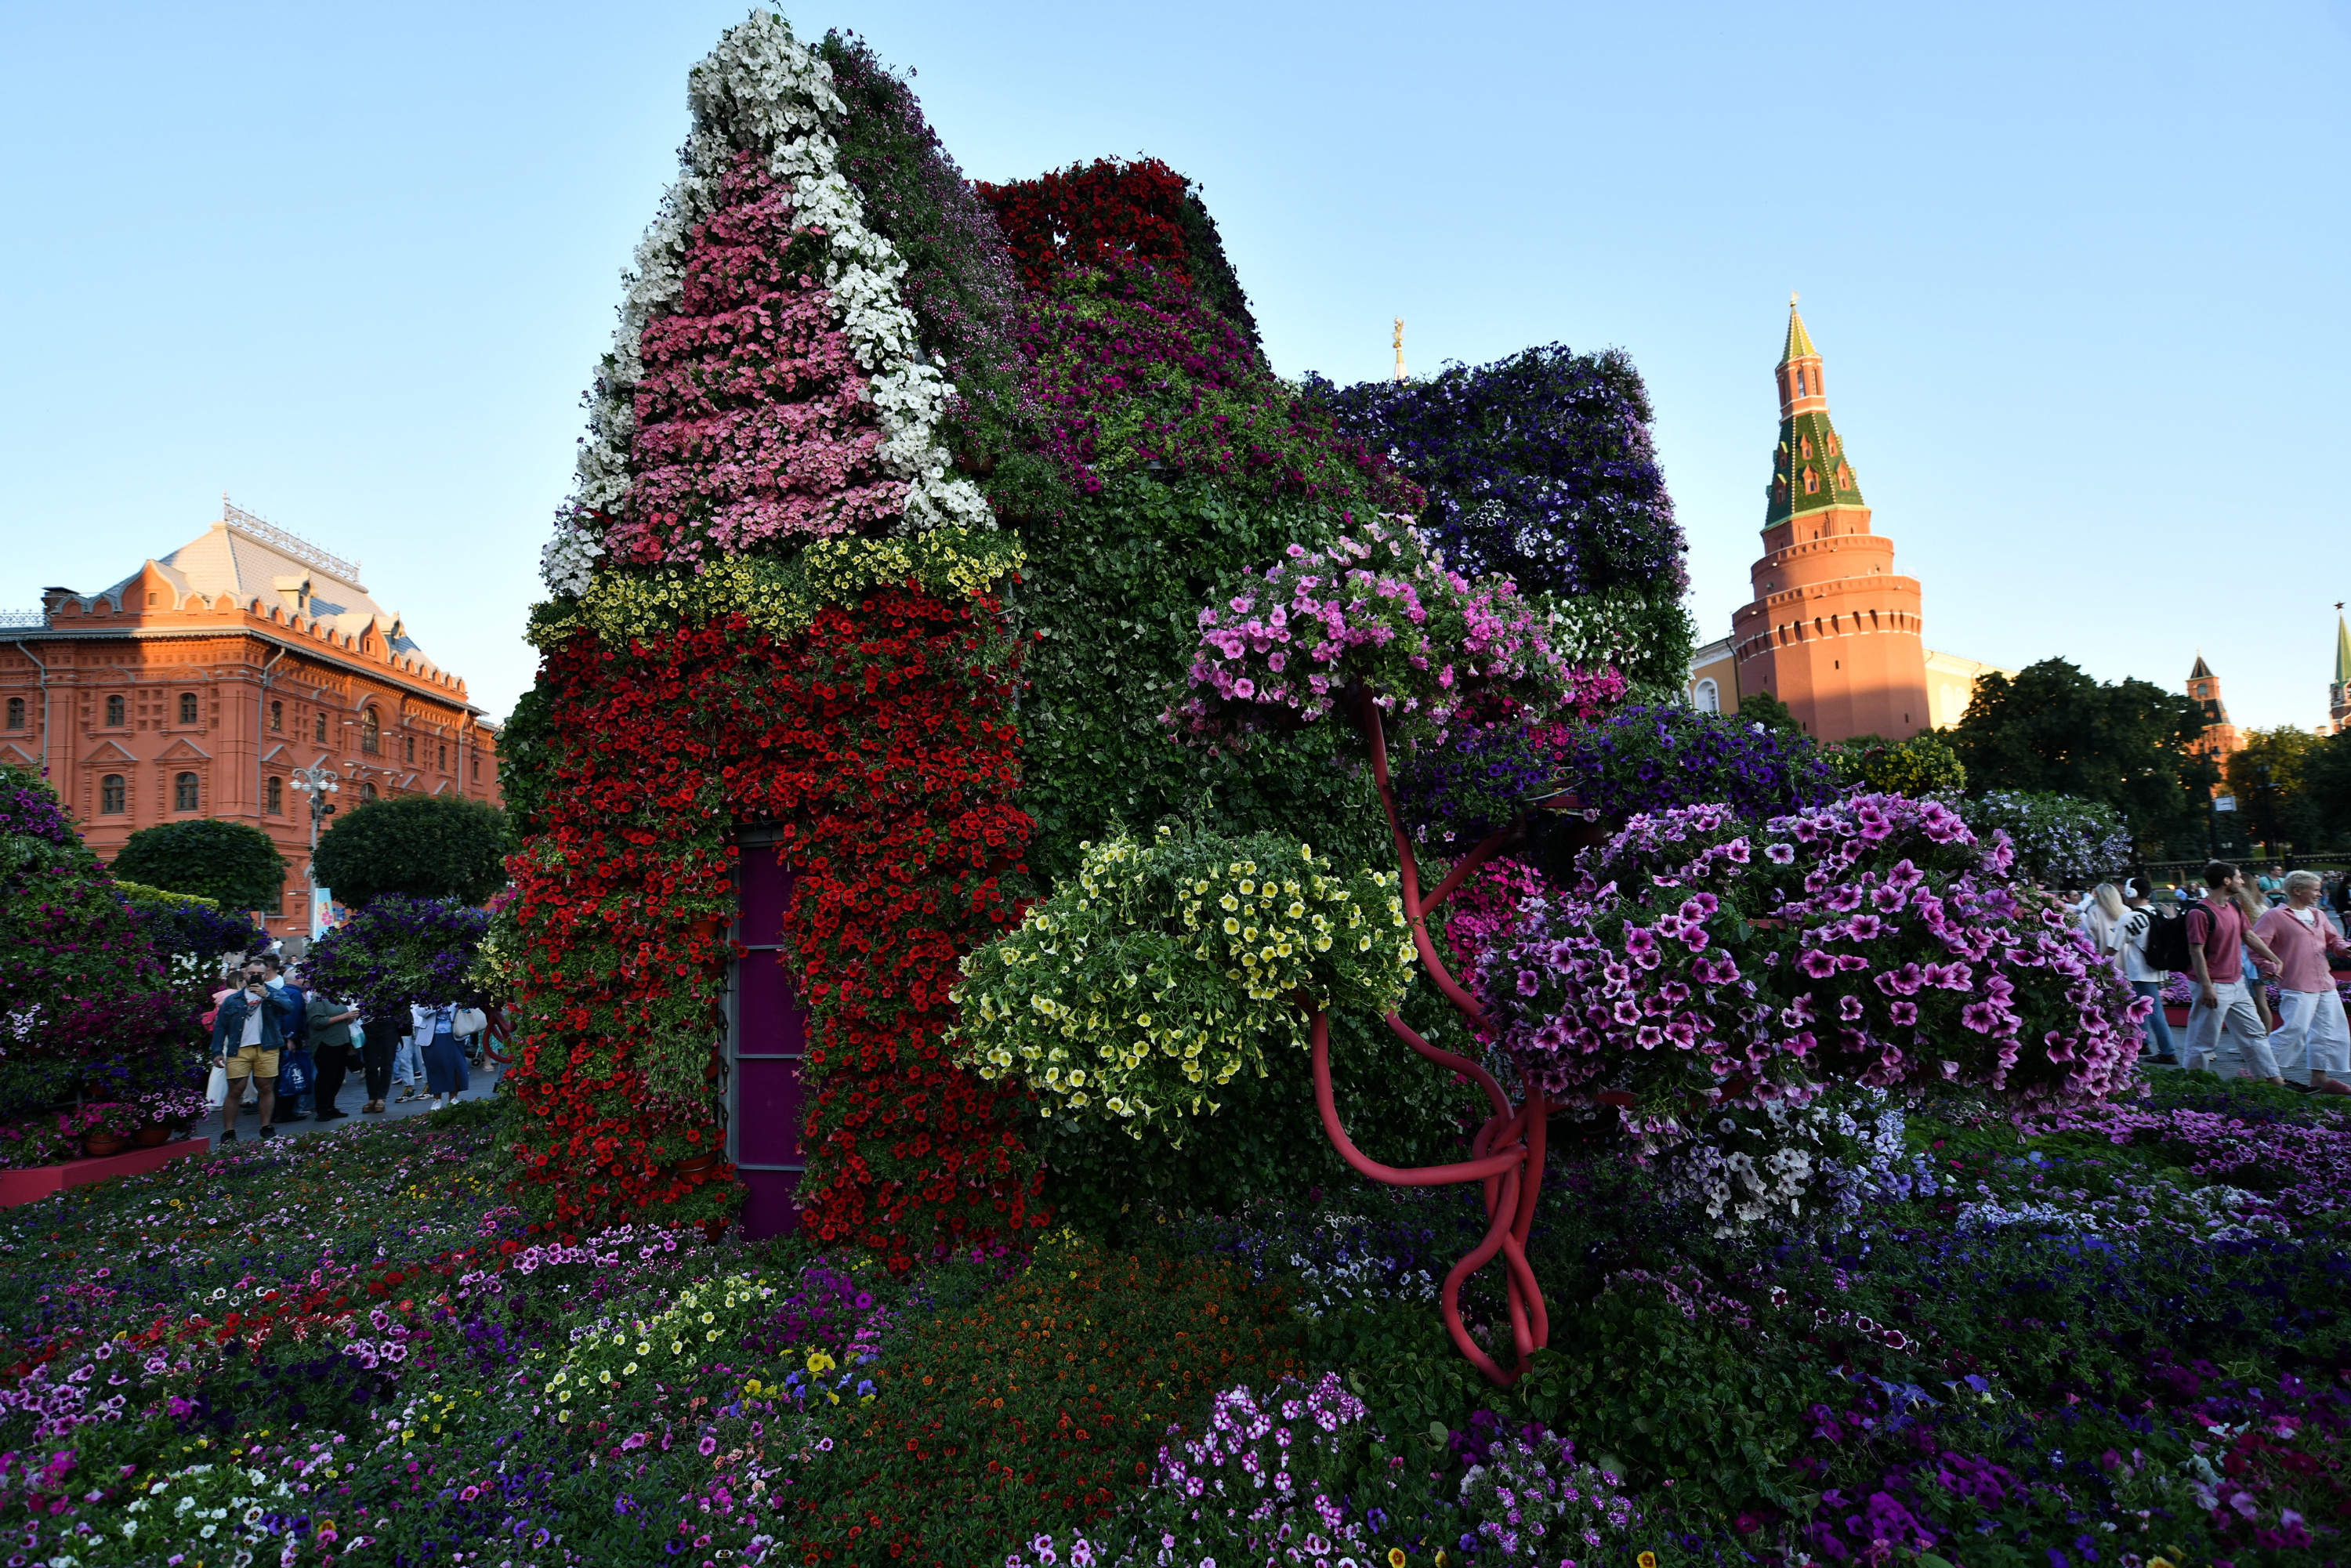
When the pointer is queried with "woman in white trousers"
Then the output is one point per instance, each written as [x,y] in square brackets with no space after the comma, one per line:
[2312,1039]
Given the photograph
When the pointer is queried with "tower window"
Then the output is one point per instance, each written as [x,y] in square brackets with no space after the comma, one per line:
[110,795]
[184,792]
[187,707]
[114,712]
[1805,443]
[1812,483]
[277,717]
[277,797]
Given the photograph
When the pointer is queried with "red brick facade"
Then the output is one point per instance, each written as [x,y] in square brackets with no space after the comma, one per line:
[194,688]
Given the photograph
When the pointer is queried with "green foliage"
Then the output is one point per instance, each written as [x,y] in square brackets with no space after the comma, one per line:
[1764,709]
[1110,596]
[1922,765]
[2271,780]
[2055,730]
[2326,781]
[232,863]
[525,761]
[1266,1139]
[425,846]
[1159,972]
[1037,1408]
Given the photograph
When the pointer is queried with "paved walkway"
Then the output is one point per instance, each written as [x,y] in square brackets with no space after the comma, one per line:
[354,1095]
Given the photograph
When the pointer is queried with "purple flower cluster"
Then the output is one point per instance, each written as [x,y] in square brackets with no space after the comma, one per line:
[1539,466]
[397,952]
[1654,759]
[1872,939]
[1375,608]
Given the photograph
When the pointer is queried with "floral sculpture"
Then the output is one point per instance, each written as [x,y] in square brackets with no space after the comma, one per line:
[1375,627]
[771,601]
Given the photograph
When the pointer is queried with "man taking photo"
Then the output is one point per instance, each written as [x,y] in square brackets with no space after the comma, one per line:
[247,1034]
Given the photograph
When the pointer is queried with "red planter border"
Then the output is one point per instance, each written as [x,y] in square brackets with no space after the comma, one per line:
[39,1181]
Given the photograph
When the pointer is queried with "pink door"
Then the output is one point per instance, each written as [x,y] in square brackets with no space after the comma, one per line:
[767,1035]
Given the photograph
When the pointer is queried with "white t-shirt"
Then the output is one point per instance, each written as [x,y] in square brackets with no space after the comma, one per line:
[252,1022]
[2130,942]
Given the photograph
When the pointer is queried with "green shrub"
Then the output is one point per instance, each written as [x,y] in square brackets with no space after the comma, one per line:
[232,862]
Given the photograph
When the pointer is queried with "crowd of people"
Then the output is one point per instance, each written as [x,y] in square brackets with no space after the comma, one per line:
[2245,933]
[294,1048]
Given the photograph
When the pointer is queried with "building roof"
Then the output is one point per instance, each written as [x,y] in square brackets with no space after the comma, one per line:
[1800,343]
[2341,653]
[2202,671]
[247,558]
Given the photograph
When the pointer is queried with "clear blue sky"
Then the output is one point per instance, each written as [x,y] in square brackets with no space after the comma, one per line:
[2079,273]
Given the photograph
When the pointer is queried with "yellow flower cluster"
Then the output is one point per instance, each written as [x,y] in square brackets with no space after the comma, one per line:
[1159,972]
[702,1315]
[778,597]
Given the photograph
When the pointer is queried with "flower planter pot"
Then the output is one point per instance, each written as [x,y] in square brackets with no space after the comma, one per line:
[152,1137]
[2175,1017]
[100,1145]
[697,1164]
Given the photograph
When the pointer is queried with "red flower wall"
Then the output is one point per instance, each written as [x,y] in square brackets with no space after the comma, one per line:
[880,744]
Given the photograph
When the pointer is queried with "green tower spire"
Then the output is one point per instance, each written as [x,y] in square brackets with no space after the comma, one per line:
[1810,472]
[2341,653]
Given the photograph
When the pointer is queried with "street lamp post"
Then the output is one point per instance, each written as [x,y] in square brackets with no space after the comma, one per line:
[318,782]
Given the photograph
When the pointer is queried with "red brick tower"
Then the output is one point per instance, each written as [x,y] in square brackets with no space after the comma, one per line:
[1833,632]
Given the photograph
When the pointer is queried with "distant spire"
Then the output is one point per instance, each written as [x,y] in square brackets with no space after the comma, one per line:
[2202,671]
[2341,649]
[1800,343]
[1399,347]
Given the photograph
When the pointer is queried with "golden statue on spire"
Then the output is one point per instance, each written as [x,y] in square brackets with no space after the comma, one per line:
[1399,347]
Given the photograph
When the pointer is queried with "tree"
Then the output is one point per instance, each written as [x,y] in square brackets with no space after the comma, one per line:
[232,863]
[2054,730]
[2270,778]
[2327,779]
[425,846]
[1764,709]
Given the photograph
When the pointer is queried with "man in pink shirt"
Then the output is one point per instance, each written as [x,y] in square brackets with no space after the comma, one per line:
[2217,941]
[2312,1034]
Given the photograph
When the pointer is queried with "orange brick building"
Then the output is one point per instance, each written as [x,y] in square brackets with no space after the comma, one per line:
[1833,630]
[195,686]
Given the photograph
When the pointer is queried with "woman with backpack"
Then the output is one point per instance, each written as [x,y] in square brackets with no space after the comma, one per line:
[2141,920]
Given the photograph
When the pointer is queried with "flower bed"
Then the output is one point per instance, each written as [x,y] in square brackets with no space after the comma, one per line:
[2052,1343]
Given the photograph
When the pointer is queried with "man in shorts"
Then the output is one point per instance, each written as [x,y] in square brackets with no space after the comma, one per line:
[247,1034]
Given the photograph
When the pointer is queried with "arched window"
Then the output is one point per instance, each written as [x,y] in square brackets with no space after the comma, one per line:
[444,756]
[367,791]
[187,707]
[1710,697]
[184,792]
[1805,444]
[370,732]
[321,737]
[278,718]
[1812,483]
[15,712]
[410,753]
[277,797]
[114,712]
[111,796]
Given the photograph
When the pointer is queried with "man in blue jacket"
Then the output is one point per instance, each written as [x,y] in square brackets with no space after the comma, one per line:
[247,1034]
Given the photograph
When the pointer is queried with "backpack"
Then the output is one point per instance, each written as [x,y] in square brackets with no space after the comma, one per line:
[2167,941]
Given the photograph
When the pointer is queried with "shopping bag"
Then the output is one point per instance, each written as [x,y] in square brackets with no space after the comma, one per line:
[471,1020]
[216,1091]
[294,1072]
